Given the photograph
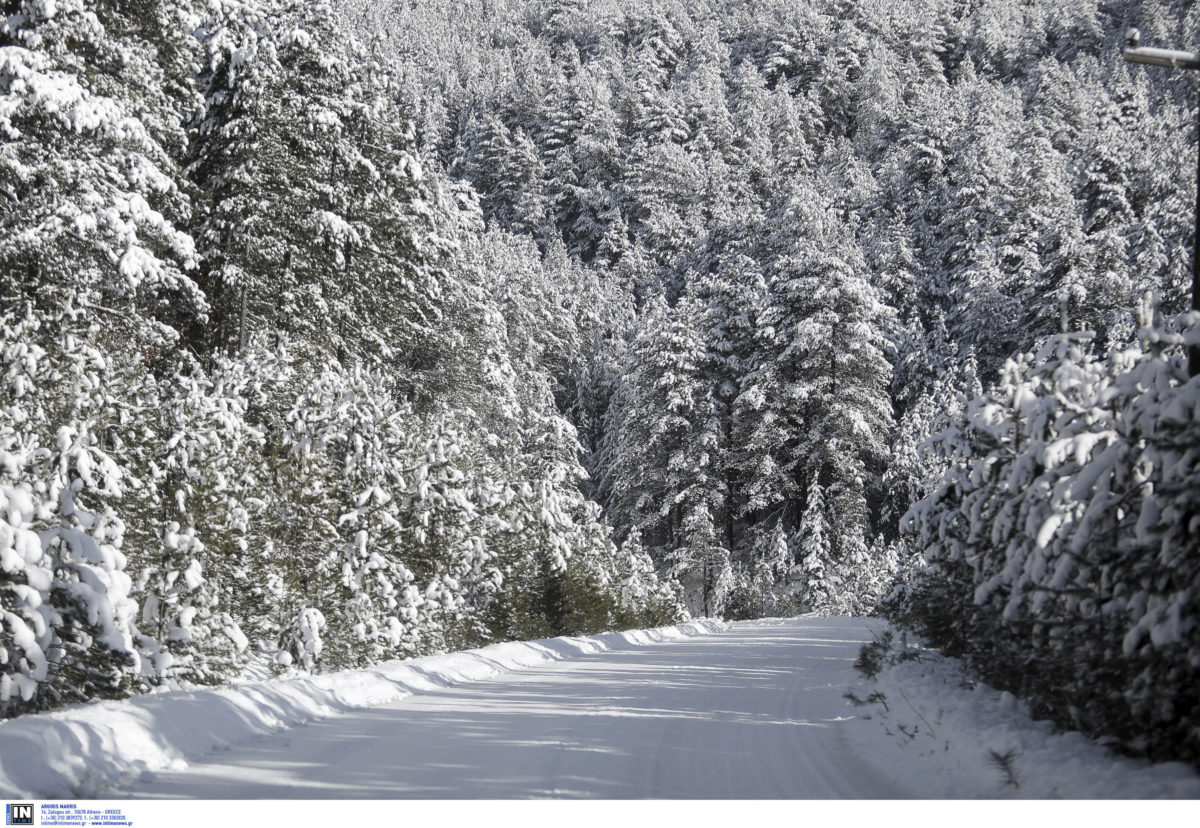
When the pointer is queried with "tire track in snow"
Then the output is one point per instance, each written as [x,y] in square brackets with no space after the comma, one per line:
[751,712]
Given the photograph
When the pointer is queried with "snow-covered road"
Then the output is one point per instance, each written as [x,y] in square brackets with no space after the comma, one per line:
[753,711]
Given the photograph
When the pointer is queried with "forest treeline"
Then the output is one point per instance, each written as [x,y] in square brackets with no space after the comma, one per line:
[337,332]
[268,392]
[905,280]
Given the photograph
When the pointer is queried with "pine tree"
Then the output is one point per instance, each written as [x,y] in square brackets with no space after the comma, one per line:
[729,300]
[317,209]
[191,532]
[817,393]
[816,586]
[69,629]
[1054,479]
[93,204]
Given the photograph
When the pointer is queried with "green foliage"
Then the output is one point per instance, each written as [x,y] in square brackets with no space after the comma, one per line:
[1005,762]
[268,405]
[1059,541]
[873,656]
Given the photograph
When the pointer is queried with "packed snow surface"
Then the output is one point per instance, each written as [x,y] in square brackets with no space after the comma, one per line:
[703,710]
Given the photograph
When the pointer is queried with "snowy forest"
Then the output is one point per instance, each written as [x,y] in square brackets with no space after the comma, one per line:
[339,331]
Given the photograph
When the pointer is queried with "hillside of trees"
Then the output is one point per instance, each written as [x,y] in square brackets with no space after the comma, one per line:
[266,393]
[342,331]
[906,282]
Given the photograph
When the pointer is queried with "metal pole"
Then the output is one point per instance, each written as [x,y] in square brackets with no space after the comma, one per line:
[1170,58]
[1194,350]
[1174,59]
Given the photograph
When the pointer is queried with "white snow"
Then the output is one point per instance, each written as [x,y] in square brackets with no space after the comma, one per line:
[942,735]
[85,750]
[702,710]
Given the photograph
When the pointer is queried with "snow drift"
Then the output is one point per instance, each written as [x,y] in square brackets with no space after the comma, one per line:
[83,750]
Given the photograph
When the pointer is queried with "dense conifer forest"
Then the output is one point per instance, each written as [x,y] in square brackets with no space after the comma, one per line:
[342,331]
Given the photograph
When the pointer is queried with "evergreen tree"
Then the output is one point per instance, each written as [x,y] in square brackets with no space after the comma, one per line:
[69,629]
[93,203]
[318,219]
[817,587]
[817,393]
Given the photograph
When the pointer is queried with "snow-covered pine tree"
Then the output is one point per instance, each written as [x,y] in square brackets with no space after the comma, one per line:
[316,216]
[192,532]
[668,442]
[92,200]
[729,299]
[69,630]
[1055,539]
[700,564]
[816,585]
[817,394]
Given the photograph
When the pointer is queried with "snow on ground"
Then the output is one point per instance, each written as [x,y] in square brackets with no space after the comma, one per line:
[947,736]
[85,750]
[699,711]
[753,711]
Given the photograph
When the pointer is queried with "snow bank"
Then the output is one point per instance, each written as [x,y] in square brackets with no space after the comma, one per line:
[950,737]
[83,750]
